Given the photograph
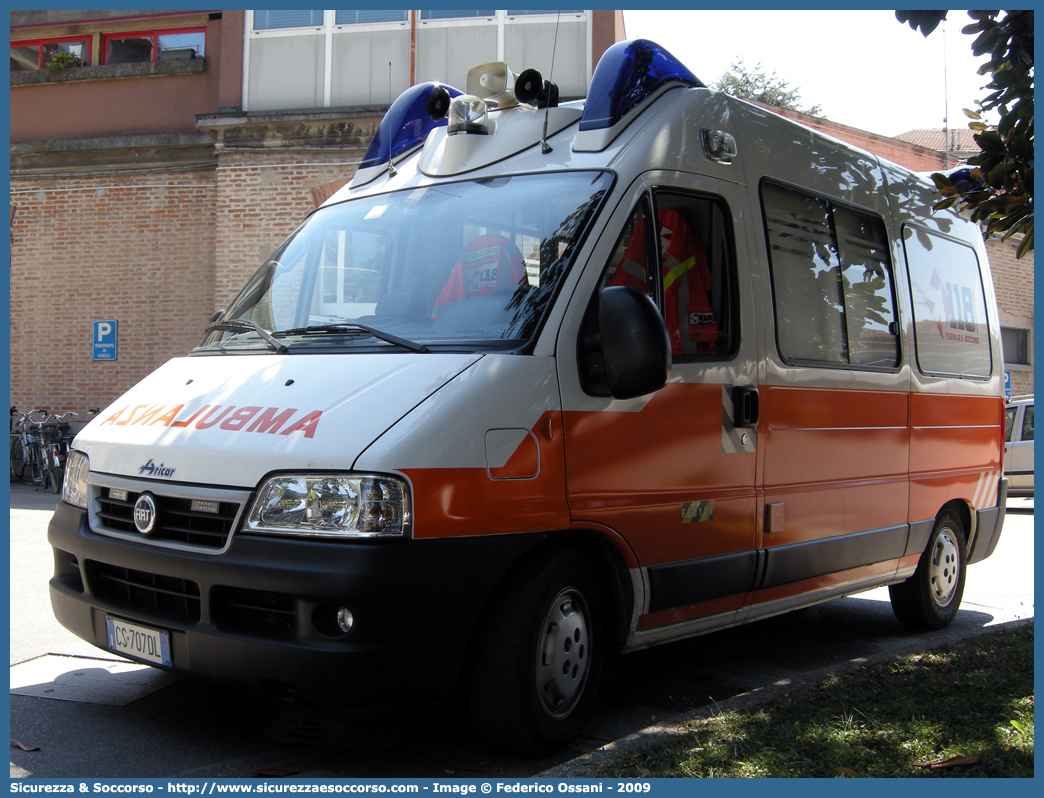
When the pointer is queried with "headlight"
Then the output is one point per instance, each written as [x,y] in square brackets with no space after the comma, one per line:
[74,487]
[331,505]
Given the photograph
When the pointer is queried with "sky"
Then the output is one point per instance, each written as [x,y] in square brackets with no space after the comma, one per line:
[865,68]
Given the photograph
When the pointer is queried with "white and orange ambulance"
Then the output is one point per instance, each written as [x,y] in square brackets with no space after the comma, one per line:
[548,380]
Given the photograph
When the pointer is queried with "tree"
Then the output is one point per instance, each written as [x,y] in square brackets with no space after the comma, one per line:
[754,84]
[998,186]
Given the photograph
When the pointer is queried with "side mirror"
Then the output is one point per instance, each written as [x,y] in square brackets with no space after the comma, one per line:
[636,351]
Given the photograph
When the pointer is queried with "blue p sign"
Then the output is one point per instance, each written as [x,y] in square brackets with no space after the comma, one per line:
[104,340]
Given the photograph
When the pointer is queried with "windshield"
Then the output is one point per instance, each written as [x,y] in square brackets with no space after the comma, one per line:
[473,263]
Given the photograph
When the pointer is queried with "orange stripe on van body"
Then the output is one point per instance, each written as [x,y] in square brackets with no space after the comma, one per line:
[835,459]
[461,502]
[634,471]
[954,440]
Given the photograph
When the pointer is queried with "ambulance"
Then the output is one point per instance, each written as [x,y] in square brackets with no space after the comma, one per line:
[550,381]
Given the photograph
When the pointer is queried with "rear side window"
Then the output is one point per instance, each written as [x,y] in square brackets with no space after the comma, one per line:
[949,305]
[832,282]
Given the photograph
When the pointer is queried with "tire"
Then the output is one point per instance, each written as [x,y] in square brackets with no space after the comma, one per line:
[539,657]
[931,597]
[54,479]
[17,460]
[35,467]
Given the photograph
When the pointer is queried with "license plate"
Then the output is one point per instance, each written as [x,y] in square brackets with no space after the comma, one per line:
[139,642]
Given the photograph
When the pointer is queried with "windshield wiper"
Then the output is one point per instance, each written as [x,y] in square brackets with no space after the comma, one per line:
[353,326]
[245,325]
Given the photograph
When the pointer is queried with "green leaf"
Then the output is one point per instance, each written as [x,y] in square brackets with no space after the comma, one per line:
[941,181]
[990,142]
[1026,245]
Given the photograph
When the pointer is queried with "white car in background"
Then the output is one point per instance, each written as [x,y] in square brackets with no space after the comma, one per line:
[1018,445]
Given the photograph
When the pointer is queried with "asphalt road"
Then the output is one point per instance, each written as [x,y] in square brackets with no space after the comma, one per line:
[90,716]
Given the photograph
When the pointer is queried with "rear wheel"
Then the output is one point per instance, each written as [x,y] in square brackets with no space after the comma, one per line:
[17,459]
[34,466]
[931,597]
[539,661]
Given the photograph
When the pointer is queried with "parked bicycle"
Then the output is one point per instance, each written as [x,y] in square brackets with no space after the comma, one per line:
[55,437]
[27,454]
[39,446]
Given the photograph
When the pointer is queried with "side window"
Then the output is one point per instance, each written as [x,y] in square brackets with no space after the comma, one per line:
[698,282]
[832,281]
[686,268]
[949,305]
[1009,422]
[1027,423]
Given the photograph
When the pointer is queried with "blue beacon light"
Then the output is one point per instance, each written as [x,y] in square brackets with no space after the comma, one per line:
[627,74]
[405,125]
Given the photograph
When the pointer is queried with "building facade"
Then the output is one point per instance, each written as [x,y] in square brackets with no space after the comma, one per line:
[176,149]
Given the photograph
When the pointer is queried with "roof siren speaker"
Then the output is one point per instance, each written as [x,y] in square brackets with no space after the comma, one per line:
[532,89]
[493,82]
[438,103]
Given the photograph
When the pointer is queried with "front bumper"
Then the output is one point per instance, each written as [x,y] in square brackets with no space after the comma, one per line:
[263,611]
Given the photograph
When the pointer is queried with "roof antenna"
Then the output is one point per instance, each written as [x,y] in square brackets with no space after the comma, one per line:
[545,148]
[946,104]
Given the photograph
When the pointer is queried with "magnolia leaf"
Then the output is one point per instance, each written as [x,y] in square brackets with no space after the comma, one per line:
[1026,245]
[941,181]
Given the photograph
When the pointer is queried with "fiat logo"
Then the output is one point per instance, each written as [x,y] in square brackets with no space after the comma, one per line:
[145,513]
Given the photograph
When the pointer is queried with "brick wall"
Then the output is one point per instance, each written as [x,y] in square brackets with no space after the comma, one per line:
[135,248]
[1013,283]
[159,252]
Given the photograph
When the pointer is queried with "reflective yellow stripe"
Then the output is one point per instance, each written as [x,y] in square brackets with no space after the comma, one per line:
[677,272]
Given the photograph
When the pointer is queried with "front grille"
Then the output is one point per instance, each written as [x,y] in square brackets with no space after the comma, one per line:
[164,596]
[177,521]
[247,610]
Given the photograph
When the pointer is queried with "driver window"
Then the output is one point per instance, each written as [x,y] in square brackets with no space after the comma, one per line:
[632,255]
[687,270]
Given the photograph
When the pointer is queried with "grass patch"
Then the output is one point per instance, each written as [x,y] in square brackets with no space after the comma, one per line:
[970,703]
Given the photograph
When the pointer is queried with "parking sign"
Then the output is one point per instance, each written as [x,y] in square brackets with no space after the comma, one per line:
[104,340]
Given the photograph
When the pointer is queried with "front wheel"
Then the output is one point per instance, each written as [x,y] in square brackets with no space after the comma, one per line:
[539,660]
[931,597]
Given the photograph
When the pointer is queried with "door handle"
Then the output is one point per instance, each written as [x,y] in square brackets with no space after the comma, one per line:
[745,406]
